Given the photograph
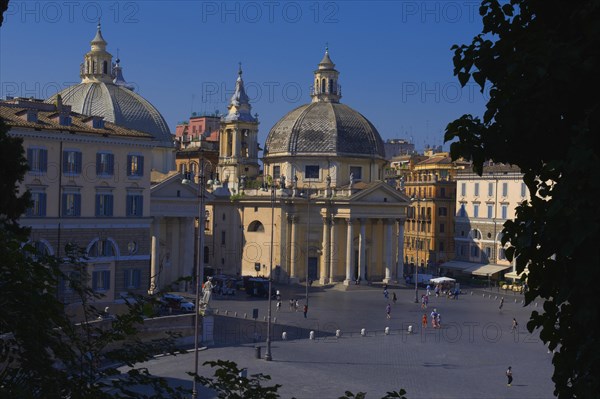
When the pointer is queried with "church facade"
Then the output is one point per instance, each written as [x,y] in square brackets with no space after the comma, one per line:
[323,212]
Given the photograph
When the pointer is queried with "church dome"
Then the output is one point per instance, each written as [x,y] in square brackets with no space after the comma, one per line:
[325,127]
[104,92]
[118,105]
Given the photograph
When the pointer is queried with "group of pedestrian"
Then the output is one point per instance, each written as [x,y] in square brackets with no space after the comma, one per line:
[436,319]
[424,301]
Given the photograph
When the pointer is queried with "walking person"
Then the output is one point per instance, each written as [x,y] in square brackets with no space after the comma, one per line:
[388,310]
[509,376]
[514,324]
[501,303]
[424,320]
[428,289]
[385,293]
[394,297]
[278,305]
[305,310]
[291,305]
[296,305]
[434,318]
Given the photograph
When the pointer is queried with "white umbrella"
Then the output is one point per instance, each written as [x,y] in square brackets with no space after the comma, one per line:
[442,280]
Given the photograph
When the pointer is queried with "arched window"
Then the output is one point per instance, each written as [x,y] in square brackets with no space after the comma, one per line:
[330,86]
[256,227]
[323,85]
[105,67]
[475,234]
[102,248]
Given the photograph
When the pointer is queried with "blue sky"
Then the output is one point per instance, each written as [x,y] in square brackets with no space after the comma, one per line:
[394,58]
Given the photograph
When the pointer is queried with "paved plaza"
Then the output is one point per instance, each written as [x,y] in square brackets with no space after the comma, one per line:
[466,358]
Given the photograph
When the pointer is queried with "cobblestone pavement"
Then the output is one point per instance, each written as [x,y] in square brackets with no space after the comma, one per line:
[466,358]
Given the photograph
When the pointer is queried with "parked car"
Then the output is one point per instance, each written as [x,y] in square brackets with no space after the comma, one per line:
[176,302]
[224,285]
[187,306]
[258,286]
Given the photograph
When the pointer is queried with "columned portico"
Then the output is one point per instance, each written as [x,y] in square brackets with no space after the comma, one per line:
[388,245]
[293,250]
[362,250]
[349,252]
[334,250]
[326,259]
[400,260]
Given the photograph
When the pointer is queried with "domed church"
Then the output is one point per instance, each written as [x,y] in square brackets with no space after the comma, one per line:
[104,92]
[323,213]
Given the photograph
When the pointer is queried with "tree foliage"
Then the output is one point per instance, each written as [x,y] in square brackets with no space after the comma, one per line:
[540,61]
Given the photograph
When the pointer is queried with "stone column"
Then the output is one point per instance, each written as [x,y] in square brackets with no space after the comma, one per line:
[154,257]
[189,262]
[237,143]
[174,250]
[362,250]
[400,260]
[325,258]
[293,250]
[376,248]
[388,244]
[333,250]
[349,252]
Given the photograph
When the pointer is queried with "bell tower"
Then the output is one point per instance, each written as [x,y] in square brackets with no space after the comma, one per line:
[238,140]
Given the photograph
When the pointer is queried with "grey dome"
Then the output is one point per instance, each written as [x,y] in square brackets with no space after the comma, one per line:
[324,128]
[117,104]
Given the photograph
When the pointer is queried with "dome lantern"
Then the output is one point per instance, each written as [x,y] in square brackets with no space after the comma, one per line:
[326,87]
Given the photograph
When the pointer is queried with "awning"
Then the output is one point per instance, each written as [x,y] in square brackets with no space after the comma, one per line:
[485,270]
[478,269]
[454,264]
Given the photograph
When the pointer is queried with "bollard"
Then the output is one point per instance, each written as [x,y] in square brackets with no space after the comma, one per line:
[338,333]
[245,315]
[363,332]
[235,314]
[216,311]
[471,292]
[496,297]
[226,312]
[257,351]
[387,331]
[311,335]
[410,330]
[284,336]
[515,300]
[274,319]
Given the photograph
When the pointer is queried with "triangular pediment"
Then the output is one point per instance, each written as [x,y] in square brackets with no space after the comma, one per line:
[379,192]
[173,186]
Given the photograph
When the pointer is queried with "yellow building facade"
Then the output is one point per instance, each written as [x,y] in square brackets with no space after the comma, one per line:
[323,213]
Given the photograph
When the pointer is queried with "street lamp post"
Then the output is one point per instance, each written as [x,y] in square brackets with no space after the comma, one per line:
[199,272]
[307,239]
[268,356]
